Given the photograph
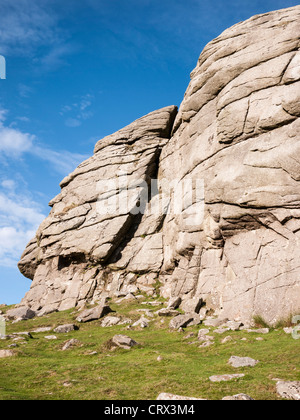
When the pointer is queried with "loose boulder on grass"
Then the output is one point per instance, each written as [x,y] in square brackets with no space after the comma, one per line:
[110,321]
[64,329]
[289,390]
[22,313]
[122,341]
[94,313]
[6,353]
[238,362]
[225,378]
[70,344]
[181,321]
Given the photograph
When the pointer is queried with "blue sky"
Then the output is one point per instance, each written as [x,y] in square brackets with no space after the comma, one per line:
[76,72]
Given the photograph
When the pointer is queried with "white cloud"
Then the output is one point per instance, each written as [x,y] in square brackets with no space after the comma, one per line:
[72,122]
[79,111]
[62,161]
[14,144]
[8,184]
[20,216]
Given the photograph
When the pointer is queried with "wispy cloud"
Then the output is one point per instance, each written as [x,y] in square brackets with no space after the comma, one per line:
[78,111]
[20,216]
[25,25]
[32,28]
[62,161]
[14,144]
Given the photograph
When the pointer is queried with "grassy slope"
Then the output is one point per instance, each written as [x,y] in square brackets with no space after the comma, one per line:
[40,370]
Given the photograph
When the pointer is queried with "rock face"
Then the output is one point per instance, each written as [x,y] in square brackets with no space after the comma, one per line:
[232,241]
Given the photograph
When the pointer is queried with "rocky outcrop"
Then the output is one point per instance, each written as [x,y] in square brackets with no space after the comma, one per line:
[95,241]
[221,224]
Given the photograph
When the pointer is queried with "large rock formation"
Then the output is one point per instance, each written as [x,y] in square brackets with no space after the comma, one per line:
[232,151]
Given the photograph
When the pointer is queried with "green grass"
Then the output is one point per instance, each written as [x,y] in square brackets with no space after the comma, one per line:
[40,369]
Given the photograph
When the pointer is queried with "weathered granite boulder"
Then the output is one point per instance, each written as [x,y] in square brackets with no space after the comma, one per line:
[289,390]
[123,341]
[22,313]
[238,130]
[237,362]
[93,314]
[93,241]
[64,329]
[221,223]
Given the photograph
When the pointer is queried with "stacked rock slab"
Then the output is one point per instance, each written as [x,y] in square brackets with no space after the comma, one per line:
[236,246]
[92,223]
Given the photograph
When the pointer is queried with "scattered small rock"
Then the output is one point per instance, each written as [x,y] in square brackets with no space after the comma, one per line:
[147,312]
[142,322]
[222,330]
[165,396]
[227,339]
[234,325]
[159,359]
[259,331]
[125,321]
[289,390]
[238,362]
[167,312]
[203,332]
[22,313]
[67,384]
[190,335]
[225,378]
[153,303]
[174,303]
[180,321]
[238,397]
[64,329]
[215,322]
[110,321]
[42,330]
[6,353]
[71,343]
[50,337]
[23,334]
[129,296]
[206,344]
[123,341]
[205,338]
[91,353]
[93,314]
[192,305]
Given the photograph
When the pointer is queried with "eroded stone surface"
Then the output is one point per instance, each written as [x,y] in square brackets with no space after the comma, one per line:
[92,244]
[238,130]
